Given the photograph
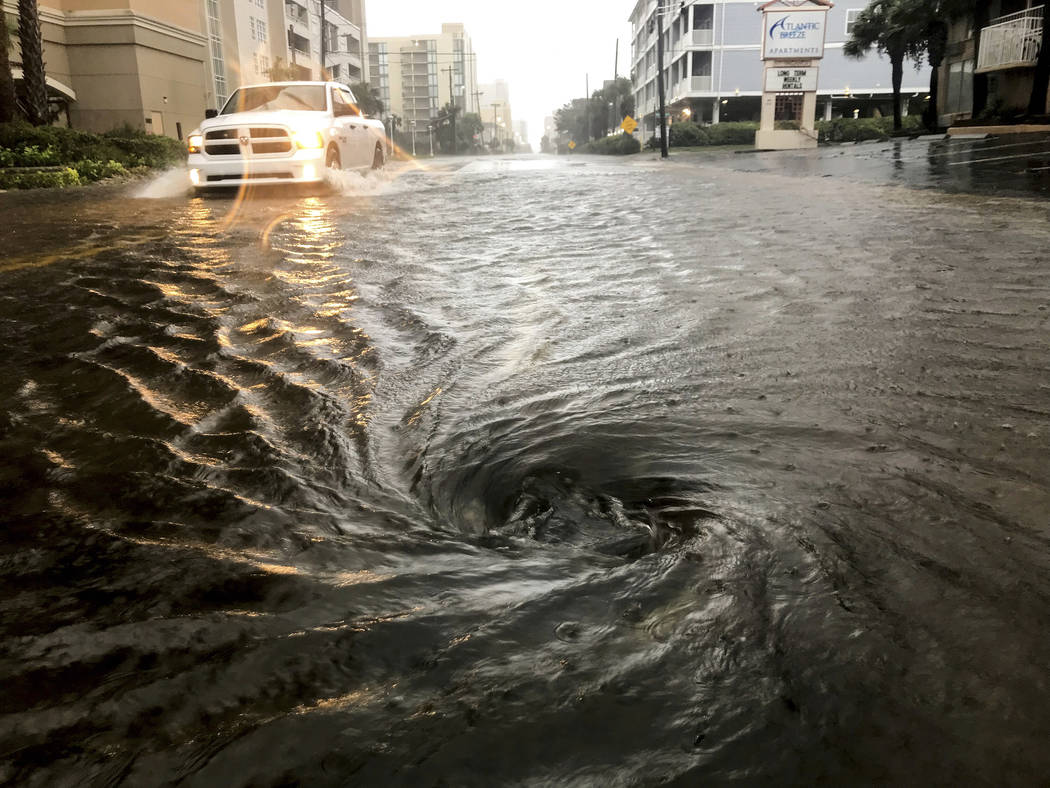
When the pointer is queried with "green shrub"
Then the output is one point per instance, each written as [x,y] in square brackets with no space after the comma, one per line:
[732,133]
[56,145]
[863,129]
[38,179]
[617,145]
[687,134]
[90,171]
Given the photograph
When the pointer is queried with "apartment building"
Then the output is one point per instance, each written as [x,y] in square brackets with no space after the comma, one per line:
[713,70]
[415,76]
[251,39]
[1009,43]
[111,62]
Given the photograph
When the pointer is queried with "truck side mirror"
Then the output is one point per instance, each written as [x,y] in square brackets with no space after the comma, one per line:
[211,113]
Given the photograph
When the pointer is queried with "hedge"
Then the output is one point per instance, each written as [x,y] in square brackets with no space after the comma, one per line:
[91,156]
[862,129]
[617,145]
[39,179]
[688,134]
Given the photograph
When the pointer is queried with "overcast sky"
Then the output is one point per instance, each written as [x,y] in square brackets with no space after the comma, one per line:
[543,48]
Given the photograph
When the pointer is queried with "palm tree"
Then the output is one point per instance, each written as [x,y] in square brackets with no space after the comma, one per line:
[893,29]
[34,83]
[7,82]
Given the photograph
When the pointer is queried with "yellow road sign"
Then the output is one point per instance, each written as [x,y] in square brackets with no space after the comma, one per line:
[572,144]
[629,124]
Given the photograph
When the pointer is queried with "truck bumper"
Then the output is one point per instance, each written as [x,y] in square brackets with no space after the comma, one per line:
[305,166]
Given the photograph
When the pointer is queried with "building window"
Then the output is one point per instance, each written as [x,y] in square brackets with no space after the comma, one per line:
[701,64]
[703,17]
[851,20]
[257,29]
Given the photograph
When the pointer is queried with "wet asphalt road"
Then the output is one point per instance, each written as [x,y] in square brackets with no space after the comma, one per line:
[1016,165]
[531,471]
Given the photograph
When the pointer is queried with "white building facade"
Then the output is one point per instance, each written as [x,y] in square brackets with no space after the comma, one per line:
[249,38]
[713,68]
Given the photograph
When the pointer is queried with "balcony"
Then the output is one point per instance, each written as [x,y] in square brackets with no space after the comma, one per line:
[690,86]
[703,38]
[1011,41]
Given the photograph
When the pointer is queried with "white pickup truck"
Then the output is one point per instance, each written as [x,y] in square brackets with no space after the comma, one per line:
[285,132]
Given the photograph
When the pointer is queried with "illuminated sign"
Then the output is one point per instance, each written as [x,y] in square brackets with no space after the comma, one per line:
[793,34]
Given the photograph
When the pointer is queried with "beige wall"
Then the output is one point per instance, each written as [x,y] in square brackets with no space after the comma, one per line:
[183,13]
[139,62]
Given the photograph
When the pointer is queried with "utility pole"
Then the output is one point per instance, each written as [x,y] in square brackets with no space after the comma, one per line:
[660,77]
[477,102]
[587,104]
[324,41]
[452,107]
[495,121]
[616,65]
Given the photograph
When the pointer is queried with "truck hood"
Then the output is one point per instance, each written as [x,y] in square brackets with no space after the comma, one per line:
[283,117]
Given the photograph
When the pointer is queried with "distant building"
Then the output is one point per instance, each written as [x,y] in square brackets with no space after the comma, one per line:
[114,63]
[521,132]
[1010,40]
[713,68]
[411,75]
[496,112]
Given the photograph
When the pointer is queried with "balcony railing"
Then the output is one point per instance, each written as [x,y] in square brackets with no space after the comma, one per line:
[703,38]
[1011,41]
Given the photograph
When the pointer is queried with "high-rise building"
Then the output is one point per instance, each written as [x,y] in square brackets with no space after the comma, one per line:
[496,111]
[712,64]
[415,76]
[256,40]
[115,62]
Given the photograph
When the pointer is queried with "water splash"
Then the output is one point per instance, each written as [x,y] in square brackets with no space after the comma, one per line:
[169,184]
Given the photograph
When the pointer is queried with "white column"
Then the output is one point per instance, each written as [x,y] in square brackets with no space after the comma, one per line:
[716,110]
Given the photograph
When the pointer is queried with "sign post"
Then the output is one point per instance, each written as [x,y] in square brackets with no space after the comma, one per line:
[793,33]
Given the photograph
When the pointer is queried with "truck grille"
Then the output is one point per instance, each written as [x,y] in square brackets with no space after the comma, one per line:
[249,142]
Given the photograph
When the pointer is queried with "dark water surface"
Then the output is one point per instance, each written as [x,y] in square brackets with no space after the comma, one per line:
[526,473]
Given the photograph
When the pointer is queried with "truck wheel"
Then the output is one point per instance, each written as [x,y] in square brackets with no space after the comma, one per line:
[332,160]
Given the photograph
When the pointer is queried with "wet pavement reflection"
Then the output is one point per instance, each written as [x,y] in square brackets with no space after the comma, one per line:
[531,471]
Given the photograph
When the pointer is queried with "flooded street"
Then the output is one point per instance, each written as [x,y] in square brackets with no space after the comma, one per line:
[526,471]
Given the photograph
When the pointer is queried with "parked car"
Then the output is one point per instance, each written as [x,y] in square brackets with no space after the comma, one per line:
[285,132]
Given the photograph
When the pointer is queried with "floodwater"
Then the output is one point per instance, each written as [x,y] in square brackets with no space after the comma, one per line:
[526,472]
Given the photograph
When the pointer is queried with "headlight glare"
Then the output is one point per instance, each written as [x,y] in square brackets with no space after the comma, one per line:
[308,139]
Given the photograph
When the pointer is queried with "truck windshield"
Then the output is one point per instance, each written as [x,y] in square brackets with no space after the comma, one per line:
[265,98]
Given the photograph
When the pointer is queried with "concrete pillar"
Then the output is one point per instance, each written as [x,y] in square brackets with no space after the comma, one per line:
[809,110]
[827,109]
[716,110]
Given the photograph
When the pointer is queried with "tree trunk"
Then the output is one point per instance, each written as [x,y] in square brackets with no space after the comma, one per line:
[1041,80]
[981,17]
[7,83]
[897,62]
[33,82]
[938,42]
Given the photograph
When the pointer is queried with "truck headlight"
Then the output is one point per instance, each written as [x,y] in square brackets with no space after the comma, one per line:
[308,139]
[196,142]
